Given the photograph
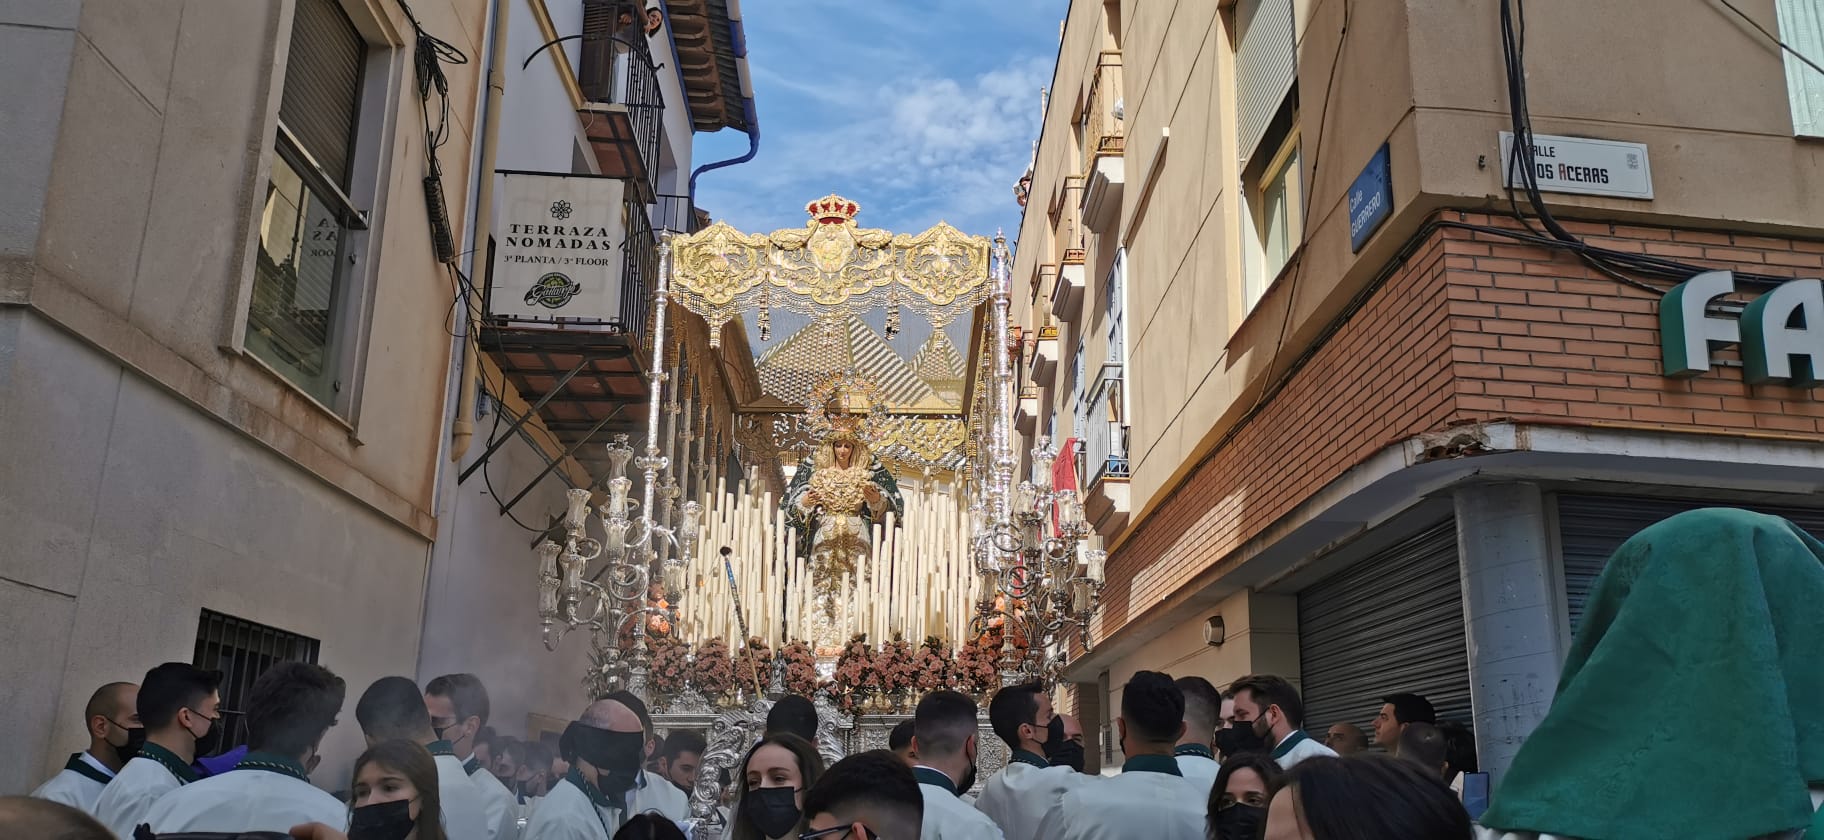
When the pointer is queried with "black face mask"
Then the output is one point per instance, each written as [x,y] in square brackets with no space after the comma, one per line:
[1061,752]
[967,782]
[381,821]
[1239,737]
[773,810]
[136,738]
[1237,822]
[616,755]
[210,742]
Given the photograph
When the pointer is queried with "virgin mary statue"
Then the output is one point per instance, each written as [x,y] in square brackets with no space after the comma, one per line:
[836,496]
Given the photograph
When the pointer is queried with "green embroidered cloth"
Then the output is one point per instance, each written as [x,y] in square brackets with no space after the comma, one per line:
[1692,702]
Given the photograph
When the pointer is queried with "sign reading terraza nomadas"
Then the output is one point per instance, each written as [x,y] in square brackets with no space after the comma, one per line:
[1781,333]
[557,247]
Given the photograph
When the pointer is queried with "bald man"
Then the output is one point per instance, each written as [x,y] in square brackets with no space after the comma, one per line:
[22,816]
[112,721]
[605,748]
[1346,738]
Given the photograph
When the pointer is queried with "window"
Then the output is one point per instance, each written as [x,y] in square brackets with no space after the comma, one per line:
[1274,187]
[242,651]
[1802,29]
[299,318]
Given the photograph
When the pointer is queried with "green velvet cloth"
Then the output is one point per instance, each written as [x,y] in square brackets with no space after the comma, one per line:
[1691,705]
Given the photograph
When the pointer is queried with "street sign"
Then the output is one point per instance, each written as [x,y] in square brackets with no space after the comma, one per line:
[1370,200]
[1581,165]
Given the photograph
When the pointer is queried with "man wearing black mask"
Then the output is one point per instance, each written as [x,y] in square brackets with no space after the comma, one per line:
[607,746]
[1236,737]
[944,735]
[112,721]
[179,706]
[1018,797]
[392,709]
[1064,743]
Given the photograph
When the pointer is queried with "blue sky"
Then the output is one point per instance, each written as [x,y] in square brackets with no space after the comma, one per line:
[920,110]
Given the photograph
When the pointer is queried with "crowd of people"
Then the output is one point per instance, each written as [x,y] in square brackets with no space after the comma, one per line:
[1719,598]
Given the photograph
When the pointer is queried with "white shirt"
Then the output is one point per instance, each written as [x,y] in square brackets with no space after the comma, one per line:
[1296,747]
[1199,770]
[123,804]
[653,794]
[567,814]
[1136,803]
[1018,797]
[78,784]
[246,799]
[464,817]
[499,805]
[947,816]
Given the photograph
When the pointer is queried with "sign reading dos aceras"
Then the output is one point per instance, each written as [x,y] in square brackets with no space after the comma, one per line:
[557,247]
[1581,165]
[1781,333]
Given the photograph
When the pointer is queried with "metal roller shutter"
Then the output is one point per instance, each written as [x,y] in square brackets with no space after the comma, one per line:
[1266,65]
[323,84]
[1590,528]
[1391,622]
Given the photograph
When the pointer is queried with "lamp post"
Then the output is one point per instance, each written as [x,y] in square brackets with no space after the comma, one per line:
[612,603]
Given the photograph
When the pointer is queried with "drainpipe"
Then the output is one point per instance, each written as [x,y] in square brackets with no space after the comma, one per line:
[738,39]
[463,429]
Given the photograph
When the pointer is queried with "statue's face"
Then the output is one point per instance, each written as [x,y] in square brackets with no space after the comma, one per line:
[844,451]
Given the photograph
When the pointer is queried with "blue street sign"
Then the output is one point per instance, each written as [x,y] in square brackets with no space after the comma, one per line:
[1370,200]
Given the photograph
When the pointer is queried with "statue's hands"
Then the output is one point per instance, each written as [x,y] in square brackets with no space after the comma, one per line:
[872,494]
[811,500]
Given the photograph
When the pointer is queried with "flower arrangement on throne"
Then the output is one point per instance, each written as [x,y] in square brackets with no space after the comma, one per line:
[841,490]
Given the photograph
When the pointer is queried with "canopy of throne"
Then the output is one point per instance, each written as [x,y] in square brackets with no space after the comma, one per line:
[830,300]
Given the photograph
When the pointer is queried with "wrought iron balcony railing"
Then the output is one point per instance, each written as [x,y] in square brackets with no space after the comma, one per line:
[621,84]
[1105,131]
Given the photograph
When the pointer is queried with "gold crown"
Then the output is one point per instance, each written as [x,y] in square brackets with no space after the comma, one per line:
[832,209]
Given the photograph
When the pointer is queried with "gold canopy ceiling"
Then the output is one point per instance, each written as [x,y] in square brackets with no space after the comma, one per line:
[835,272]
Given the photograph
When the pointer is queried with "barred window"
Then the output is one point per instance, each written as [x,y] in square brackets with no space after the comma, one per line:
[242,650]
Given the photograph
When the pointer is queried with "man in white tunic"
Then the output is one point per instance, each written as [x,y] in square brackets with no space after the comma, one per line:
[458,705]
[392,709]
[590,802]
[945,737]
[1149,798]
[1018,797]
[1202,706]
[651,794]
[115,736]
[289,709]
[179,705]
[1273,708]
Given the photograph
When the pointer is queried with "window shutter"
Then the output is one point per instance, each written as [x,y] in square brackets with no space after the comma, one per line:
[1266,65]
[323,85]
[1802,29]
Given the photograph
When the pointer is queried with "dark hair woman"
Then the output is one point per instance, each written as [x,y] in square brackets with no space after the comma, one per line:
[1239,797]
[1365,797]
[771,783]
[649,827]
[395,794]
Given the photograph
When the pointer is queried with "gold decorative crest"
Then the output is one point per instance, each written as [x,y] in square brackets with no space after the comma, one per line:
[830,264]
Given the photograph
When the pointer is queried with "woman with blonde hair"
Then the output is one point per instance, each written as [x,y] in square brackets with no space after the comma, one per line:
[395,794]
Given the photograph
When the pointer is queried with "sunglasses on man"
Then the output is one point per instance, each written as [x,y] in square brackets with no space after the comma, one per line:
[839,831]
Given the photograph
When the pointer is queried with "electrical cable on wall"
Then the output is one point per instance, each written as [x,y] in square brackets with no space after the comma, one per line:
[429,54]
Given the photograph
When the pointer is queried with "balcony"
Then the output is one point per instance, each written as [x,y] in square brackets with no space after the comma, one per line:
[1026,416]
[1067,290]
[1042,283]
[623,111]
[1104,146]
[1105,454]
[1044,357]
[677,214]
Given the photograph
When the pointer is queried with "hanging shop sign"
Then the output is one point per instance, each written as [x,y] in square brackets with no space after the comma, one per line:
[1370,200]
[1781,333]
[557,247]
[1581,165]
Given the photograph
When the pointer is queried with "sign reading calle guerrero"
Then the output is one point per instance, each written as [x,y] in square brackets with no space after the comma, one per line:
[1781,333]
[557,247]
